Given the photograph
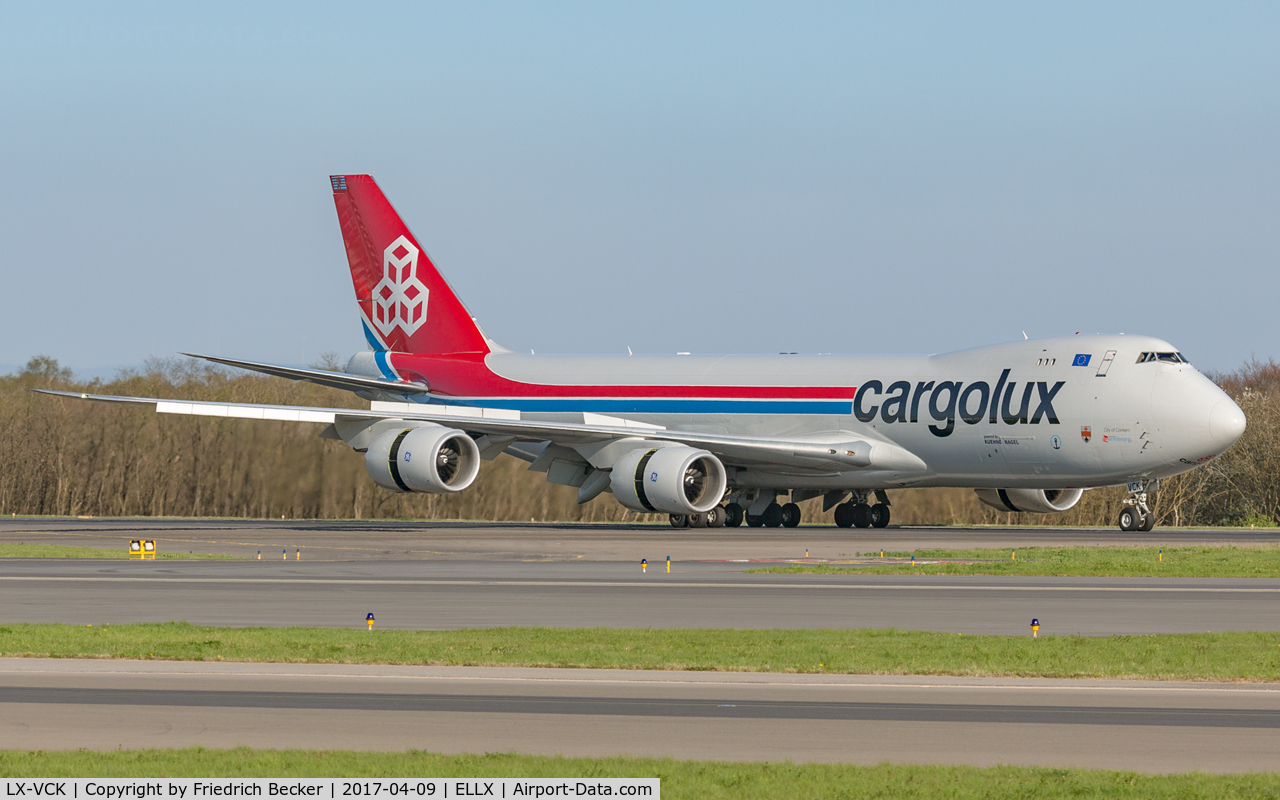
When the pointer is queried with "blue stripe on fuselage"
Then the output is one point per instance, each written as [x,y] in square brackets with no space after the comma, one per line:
[374,344]
[380,358]
[379,354]
[609,405]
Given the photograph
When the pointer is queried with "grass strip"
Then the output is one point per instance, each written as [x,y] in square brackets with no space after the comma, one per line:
[20,550]
[1233,656]
[1208,561]
[680,779]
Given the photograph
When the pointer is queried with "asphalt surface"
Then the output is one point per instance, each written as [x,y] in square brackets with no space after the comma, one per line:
[454,594]
[390,540]
[1160,727]
[474,575]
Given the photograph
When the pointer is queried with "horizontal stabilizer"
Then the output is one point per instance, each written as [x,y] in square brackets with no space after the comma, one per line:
[338,380]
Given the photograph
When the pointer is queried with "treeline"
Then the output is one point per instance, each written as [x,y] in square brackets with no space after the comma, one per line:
[69,457]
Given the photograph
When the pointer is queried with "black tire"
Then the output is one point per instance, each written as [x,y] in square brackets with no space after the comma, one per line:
[733,515]
[772,516]
[716,517]
[844,515]
[754,521]
[790,515]
[880,516]
[862,515]
[697,520]
[679,520]
[1130,518]
[1148,521]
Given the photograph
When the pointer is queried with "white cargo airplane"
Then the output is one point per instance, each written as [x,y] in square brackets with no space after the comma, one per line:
[716,440]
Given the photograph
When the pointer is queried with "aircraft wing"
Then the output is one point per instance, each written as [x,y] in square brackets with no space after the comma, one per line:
[836,451]
[324,377]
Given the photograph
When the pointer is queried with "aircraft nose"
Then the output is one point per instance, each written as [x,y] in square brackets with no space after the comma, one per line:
[1226,423]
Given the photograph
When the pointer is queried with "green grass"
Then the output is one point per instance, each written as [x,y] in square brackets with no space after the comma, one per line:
[680,779]
[1205,656]
[21,550]
[1209,561]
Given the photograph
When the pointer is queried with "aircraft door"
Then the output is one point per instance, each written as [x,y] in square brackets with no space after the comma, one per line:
[1024,453]
[990,446]
[1119,438]
[1105,365]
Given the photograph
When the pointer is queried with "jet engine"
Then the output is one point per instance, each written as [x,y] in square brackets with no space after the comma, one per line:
[1035,501]
[675,480]
[424,458]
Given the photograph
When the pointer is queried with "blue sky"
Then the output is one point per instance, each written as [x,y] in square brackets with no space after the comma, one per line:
[721,178]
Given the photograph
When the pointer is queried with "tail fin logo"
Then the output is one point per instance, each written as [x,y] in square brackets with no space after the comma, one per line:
[399,299]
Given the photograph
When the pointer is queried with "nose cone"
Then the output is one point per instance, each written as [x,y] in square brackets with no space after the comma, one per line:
[1194,416]
[1226,423]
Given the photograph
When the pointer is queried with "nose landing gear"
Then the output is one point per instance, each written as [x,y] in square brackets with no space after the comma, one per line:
[1136,514]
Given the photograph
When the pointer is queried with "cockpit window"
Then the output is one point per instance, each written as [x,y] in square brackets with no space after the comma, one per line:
[1168,358]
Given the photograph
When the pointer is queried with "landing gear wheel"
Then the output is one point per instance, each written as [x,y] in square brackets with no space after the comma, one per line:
[1130,518]
[862,515]
[733,515]
[880,516]
[790,515]
[679,521]
[772,516]
[716,517]
[754,521]
[697,520]
[1148,520]
[844,515]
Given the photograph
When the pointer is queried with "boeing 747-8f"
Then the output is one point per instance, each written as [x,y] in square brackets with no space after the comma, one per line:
[718,440]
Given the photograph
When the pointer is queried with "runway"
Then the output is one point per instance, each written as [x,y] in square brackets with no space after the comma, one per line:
[462,575]
[455,594]
[393,540]
[1158,727]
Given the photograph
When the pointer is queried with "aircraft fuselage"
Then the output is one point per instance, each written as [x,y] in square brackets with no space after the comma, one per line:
[1061,412]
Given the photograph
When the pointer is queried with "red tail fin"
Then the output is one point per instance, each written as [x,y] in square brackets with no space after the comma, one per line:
[406,304]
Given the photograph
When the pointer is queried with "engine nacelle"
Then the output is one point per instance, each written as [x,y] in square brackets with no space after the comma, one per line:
[675,480]
[1035,501]
[423,458]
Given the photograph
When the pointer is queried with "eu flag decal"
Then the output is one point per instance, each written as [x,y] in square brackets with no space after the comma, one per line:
[1082,360]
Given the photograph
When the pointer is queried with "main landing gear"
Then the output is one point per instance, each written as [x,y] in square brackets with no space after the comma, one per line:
[1136,515]
[732,515]
[760,508]
[757,508]
[715,518]
[774,515]
[858,513]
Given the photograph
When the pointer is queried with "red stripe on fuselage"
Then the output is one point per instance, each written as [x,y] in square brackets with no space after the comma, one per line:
[468,376]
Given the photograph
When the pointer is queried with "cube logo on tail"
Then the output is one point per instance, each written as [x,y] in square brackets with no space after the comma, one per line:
[400,299]
[393,275]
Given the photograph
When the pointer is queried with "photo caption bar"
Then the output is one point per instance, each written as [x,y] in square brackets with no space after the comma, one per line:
[328,788]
